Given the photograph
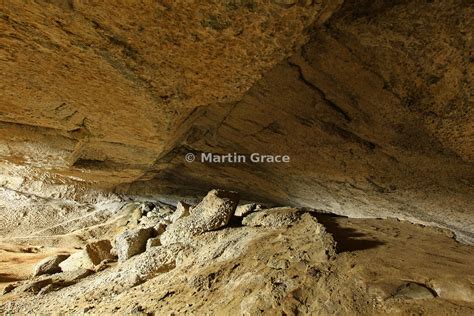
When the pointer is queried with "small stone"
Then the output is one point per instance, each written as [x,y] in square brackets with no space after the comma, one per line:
[49,265]
[413,291]
[8,288]
[101,266]
[132,242]
[146,207]
[153,242]
[182,210]
[159,229]
[87,309]
[278,263]
[245,209]
[47,289]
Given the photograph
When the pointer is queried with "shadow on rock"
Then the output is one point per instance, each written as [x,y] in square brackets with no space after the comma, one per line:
[347,239]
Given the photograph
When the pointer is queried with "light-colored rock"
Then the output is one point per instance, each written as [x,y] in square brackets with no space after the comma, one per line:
[76,261]
[134,271]
[182,210]
[49,265]
[454,288]
[132,242]
[161,214]
[277,263]
[214,212]
[413,291]
[99,251]
[92,254]
[147,207]
[153,242]
[274,217]
[245,209]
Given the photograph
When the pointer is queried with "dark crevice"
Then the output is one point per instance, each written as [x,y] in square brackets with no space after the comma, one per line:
[308,83]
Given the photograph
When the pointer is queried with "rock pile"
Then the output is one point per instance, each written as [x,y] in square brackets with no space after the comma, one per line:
[155,239]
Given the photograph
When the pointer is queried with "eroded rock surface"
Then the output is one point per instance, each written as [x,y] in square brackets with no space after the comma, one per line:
[89,257]
[132,242]
[214,212]
[281,260]
[369,99]
[49,265]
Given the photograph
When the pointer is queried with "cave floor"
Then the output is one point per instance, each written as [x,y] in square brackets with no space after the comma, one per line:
[375,259]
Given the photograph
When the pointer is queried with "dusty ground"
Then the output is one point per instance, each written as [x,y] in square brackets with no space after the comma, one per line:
[236,272]
[17,261]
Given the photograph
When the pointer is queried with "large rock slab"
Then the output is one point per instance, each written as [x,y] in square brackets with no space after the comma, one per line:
[214,212]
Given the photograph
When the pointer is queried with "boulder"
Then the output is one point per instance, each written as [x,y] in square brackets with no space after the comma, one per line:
[214,212]
[92,254]
[245,209]
[132,242]
[78,260]
[274,217]
[49,265]
[99,251]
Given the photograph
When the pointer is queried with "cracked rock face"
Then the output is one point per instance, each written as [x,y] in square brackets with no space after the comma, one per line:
[370,99]
[94,90]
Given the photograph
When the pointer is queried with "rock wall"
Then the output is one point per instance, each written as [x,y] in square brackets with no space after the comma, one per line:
[371,100]
[369,129]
